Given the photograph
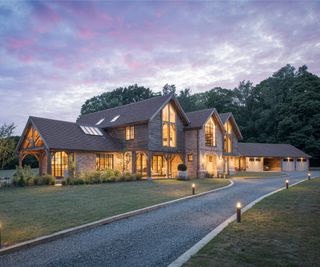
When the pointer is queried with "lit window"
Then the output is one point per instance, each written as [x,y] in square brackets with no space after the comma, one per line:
[190,157]
[129,132]
[227,144]
[258,159]
[210,133]
[59,163]
[228,127]
[304,160]
[251,159]
[169,126]
[104,161]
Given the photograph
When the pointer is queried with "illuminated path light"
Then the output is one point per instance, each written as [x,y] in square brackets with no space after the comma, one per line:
[287,184]
[193,189]
[238,212]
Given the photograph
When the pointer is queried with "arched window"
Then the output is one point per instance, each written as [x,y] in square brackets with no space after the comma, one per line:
[59,163]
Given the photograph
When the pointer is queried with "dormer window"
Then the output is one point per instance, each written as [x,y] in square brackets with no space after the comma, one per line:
[210,133]
[169,126]
[115,118]
[129,132]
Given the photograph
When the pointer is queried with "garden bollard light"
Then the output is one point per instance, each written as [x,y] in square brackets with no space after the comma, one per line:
[193,189]
[238,212]
[309,176]
[287,184]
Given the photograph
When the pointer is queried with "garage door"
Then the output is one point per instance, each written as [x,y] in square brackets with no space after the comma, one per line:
[302,164]
[288,164]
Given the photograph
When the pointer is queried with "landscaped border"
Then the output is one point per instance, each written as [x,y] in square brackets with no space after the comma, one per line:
[204,241]
[77,229]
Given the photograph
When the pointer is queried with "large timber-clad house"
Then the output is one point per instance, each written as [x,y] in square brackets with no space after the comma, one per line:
[151,137]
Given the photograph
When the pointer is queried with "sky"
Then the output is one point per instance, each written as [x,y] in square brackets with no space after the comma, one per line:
[56,54]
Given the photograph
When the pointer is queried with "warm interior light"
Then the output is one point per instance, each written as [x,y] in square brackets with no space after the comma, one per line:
[239,205]
[193,185]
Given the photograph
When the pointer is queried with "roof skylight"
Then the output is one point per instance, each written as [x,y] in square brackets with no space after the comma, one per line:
[91,130]
[100,121]
[115,118]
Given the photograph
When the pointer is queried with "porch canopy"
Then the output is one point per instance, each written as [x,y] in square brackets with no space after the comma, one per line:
[42,138]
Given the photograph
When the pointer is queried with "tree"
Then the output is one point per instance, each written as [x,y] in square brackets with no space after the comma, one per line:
[117,97]
[169,89]
[7,144]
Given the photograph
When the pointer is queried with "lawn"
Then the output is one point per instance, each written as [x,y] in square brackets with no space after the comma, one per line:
[30,212]
[281,230]
[255,175]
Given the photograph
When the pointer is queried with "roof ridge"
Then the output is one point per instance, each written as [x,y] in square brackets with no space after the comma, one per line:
[205,109]
[117,107]
[42,118]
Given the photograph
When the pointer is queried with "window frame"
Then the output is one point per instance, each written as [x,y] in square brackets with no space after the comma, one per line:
[106,158]
[129,132]
[190,157]
[169,125]
[210,133]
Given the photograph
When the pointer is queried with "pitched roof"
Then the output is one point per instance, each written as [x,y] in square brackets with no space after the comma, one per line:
[198,118]
[141,111]
[69,136]
[228,115]
[225,116]
[270,150]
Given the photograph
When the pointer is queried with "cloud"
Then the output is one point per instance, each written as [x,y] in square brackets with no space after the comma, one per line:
[55,55]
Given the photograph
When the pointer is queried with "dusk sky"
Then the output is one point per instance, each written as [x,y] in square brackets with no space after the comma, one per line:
[55,55]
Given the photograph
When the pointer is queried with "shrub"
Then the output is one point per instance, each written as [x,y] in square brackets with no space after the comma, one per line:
[23,176]
[182,167]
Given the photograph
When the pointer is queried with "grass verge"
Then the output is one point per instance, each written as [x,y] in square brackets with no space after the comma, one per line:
[30,212]
[256,175]
[281,230]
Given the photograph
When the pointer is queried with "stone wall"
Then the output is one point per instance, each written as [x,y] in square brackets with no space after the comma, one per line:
[85,161]
[191,148]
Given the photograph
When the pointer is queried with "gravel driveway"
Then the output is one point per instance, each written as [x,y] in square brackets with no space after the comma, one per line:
[152,239]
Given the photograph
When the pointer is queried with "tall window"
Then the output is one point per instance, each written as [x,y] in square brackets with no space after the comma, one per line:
[129,132]
[227,144]
[210,133]
[142,164]
[169,126]
[104,161]
[59,163]
[228,127]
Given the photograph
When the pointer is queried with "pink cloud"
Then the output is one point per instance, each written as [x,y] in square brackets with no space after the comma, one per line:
[18,43]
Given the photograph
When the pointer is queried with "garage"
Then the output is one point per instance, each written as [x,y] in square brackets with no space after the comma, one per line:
[272,157]
[288,164]
[302,164]
[272,164]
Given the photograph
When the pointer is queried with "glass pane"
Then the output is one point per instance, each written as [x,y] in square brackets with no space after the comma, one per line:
[172,114]
[165,113]
[172,135]
[165,133]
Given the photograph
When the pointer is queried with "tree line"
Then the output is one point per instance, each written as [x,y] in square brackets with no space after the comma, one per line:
[283,108]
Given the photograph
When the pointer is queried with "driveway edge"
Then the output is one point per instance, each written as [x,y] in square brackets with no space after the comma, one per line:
[87,226]
[204,241]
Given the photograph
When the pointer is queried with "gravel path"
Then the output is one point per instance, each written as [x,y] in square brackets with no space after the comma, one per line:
[152,239]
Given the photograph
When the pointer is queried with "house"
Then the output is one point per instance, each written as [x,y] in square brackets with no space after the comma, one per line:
[150,137]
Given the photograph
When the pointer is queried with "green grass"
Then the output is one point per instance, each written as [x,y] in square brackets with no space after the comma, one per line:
[255,175]
[10,173]
[30,212]
[281,230]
